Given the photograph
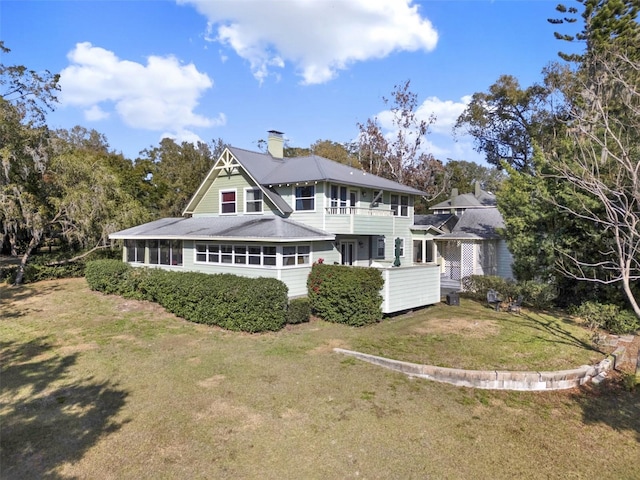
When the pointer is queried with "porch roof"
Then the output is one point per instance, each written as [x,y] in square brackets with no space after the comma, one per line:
[476,224]
[246,228]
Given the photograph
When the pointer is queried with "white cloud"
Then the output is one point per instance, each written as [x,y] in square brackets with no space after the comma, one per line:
[161,95]
[95,113]
[319,37]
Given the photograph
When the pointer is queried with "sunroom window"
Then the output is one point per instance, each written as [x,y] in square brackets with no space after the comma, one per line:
[135,251]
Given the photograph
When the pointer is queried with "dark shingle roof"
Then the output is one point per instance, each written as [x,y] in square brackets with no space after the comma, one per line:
[476,224]
[268,170]
[260,228]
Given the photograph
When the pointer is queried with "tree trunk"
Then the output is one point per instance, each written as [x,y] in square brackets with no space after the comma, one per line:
[23,263]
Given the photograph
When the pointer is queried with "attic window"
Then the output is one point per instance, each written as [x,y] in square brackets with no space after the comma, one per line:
[228,202]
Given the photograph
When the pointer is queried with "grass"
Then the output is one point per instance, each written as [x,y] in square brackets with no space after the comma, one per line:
[97,386]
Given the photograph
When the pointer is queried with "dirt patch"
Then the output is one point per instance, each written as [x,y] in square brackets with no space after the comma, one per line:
[464,326]
[222,411]
[329,345]
[211,381]
[82,347]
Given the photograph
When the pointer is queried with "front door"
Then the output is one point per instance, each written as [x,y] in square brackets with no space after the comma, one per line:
[348,252]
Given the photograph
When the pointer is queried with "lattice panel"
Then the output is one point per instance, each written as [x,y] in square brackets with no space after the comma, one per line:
[468,259]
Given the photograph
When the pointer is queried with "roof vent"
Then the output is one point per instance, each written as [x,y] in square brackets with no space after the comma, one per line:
[275,144]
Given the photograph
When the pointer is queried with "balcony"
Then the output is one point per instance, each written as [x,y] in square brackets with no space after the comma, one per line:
[368,212]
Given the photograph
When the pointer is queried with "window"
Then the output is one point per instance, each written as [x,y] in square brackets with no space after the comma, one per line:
[295,255]
[165,252]
[236,254]
[305,197]
[380,247]
[135,251]
[338,197]
[253,200]
[400,205]
[227,202]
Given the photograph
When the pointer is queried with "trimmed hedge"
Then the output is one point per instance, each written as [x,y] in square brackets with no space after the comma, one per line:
[299,311]
[225,300]
[344,294]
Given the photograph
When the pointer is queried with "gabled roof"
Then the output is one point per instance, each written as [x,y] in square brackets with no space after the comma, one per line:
[270,228]
[476,224]
[268,171]
[277,171]
[468,200]
[440,222]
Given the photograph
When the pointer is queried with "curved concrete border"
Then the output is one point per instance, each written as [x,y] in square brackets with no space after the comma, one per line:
[495,379]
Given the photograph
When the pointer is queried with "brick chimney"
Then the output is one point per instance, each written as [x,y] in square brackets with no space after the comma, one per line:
[275,144]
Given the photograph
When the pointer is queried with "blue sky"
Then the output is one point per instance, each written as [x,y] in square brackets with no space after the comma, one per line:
[138,70]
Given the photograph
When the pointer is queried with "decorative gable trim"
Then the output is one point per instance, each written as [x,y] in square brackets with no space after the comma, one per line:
[227,164]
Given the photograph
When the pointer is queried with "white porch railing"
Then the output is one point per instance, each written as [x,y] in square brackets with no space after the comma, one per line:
[370,212]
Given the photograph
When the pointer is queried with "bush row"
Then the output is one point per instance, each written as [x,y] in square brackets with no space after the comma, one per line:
[535,294]
[343,294]
[228,301]
[607,316]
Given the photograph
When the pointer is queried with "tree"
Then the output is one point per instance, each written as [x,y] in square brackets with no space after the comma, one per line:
[25,97]
[176,171]
[505,120]
[400,156]
[345,153]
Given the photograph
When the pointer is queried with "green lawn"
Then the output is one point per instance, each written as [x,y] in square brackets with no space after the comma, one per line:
[96,386]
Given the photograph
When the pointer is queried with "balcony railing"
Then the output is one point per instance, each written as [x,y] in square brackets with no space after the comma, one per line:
[369,212]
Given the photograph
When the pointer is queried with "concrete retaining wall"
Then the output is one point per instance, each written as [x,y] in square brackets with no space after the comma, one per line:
[494,379]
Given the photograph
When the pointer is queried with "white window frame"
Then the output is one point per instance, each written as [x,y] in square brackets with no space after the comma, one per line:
[301,255]
[380,240]
[259,202]
[296,198]
[399,208]
[236,254]
[402,247]
[235,201]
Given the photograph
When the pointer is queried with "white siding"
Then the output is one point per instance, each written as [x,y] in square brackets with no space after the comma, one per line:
[410,287]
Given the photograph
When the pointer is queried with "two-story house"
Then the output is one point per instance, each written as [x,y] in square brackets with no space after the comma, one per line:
[264,215]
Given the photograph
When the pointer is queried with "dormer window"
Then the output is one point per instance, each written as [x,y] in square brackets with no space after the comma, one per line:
[305,197]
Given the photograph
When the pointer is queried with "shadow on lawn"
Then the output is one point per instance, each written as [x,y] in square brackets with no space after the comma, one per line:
[554,329]
[48,417]
[10,294]
[609,403]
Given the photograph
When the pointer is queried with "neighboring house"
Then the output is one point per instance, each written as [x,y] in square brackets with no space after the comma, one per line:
[263,215]
[470,244]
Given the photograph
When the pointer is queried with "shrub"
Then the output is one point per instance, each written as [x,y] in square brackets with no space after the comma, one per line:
[607,316]
[343,294]
[535,294]
[299,311]
[538,295]
[106,276]
[228,301]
